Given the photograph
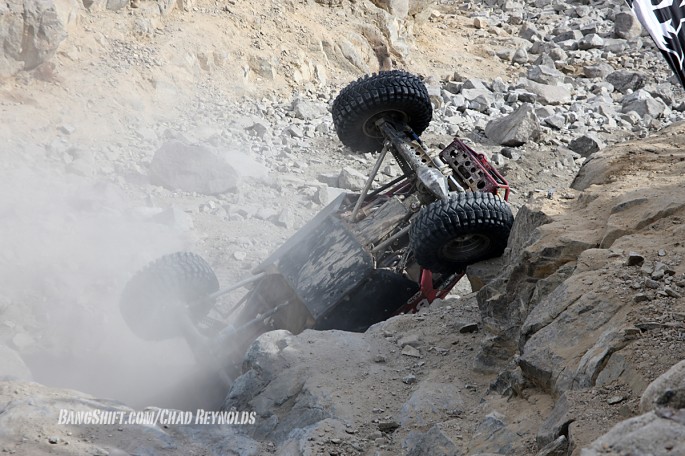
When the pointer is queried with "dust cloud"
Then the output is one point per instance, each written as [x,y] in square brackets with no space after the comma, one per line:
[68,244]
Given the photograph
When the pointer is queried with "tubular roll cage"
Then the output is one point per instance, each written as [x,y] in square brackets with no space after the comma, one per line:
[472,169]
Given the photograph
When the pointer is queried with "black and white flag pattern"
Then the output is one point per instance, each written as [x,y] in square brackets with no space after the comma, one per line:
[664,19]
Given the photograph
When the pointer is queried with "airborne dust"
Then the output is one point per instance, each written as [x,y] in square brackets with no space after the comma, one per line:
[67,246]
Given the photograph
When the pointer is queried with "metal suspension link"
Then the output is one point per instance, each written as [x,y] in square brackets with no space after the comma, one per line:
[369,182]
[426,168]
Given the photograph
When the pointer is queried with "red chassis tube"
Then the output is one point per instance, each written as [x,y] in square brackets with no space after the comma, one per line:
[474,169]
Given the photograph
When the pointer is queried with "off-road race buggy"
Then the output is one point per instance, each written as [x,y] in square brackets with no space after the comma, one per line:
[365,257]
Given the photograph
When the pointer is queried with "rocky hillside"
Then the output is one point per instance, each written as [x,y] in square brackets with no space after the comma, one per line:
[565,345]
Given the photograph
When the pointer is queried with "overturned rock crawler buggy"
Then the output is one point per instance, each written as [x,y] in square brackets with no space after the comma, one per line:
[363,258]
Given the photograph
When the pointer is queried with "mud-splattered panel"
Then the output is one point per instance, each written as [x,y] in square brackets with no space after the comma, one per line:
[325,266]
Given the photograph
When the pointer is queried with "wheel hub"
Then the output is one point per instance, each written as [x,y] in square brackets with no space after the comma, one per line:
[464,247]
[395,117]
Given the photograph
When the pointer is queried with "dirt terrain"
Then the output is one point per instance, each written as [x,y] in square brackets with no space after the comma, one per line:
[80,140]
[497,371]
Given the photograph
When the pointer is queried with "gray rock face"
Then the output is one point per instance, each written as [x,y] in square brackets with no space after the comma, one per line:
[308,110]
[545,75]
[547,332]
[556,121]
[668,390]
[482,94]
[192,168]
[558,55]
[501,302]
[493,435]
[548,94]
[432,443]
[529,32]
[661,430]
[351,179]
[616,45]
[515,129]
[644,104]
[544,59]
[626,26]
[573,335]
[520,56]
[624,80]
[591,41]
[263,388]
[11,37]
[286,380]
[600,70]
[646,434]
[30,33]
[473,83]
[559,447]
[556,423]
[586,145]
[43,32]
[431,403]
[116,5]
[567,35]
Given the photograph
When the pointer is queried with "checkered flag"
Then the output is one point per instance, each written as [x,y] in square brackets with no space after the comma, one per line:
[664,19]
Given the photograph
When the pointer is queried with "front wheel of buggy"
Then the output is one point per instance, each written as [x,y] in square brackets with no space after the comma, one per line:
[468,227]
[396,96]
[165,294]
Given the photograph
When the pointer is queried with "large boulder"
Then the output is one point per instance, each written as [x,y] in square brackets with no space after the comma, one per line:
[544,74]
[193,168]
[515,129]
[648,434]
[668,390]
[30,32]
[625,80]
[626,26]
[644,104]
[11,37]
[351,179]
[548,94]
[586,145]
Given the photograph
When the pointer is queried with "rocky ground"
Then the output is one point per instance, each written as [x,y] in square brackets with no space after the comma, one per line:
[101,104]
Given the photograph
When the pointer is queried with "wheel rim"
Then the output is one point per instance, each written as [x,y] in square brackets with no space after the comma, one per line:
[396,117]
[465,247]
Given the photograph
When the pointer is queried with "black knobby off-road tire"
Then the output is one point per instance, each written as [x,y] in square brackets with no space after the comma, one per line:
[396,95]
[448,235]
[154,297]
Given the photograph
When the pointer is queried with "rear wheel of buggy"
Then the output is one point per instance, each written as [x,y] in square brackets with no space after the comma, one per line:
[158,298]
[448,235]
[397,96]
